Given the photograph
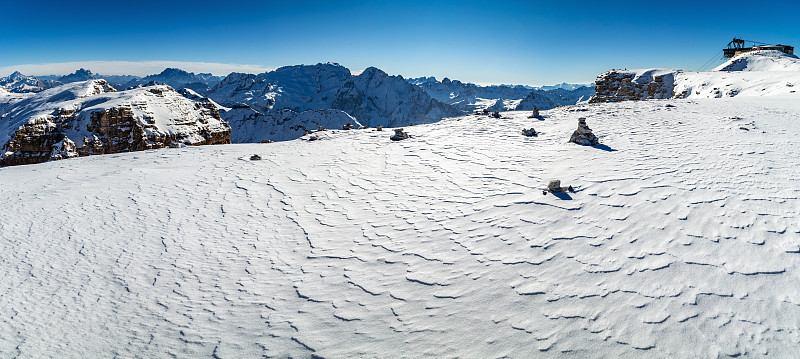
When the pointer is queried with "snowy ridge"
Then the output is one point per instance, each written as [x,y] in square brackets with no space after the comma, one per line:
[767,73]
[42,106]
[91,117]
[770,60]
[19,83]
[674,244]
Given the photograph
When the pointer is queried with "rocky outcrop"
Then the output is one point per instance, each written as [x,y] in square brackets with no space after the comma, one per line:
[399,135]
[628,85]
[91,117]
[583,135]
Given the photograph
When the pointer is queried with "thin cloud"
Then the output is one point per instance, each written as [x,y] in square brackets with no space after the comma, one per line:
[138,68]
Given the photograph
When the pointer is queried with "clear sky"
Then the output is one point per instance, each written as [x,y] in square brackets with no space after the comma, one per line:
[520,42]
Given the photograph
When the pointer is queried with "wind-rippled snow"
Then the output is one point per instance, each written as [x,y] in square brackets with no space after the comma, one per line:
[681,240]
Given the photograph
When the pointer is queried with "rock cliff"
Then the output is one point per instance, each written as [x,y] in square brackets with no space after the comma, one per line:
[91,117]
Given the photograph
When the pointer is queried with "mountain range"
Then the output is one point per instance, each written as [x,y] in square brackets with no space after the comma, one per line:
[37,114]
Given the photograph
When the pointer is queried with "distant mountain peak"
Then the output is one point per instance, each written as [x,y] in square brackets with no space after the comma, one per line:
[79,75]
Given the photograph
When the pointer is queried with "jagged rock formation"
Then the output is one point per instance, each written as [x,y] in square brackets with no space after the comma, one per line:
[79,75]
[91,117]
[180,79]
[627,85]
[583,135]
[373,97]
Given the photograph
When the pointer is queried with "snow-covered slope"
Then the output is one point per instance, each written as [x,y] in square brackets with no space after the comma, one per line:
[249,125]
[771,60]
[768,73]
[298,88]
[373,97]
[681,240]
[91,117]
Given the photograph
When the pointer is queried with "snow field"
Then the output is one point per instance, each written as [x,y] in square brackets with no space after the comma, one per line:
[681,240]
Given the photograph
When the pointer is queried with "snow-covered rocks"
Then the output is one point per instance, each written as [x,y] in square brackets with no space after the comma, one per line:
[627,85]
[91,117]
[529,132]
[765,73]
[583,135]
[348,126]
[399,134]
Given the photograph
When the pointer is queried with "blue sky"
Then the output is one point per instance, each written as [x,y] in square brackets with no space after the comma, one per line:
[521,42]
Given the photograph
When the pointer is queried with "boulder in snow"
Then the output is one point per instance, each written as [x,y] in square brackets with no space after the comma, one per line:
[399,134]
[583,135]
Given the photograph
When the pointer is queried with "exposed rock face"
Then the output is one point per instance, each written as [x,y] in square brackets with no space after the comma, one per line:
[583,135]
[180,79]
[78,76]
[91,117]
[627,85]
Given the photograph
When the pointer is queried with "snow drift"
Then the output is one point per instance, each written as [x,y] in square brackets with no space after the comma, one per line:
[680,240]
